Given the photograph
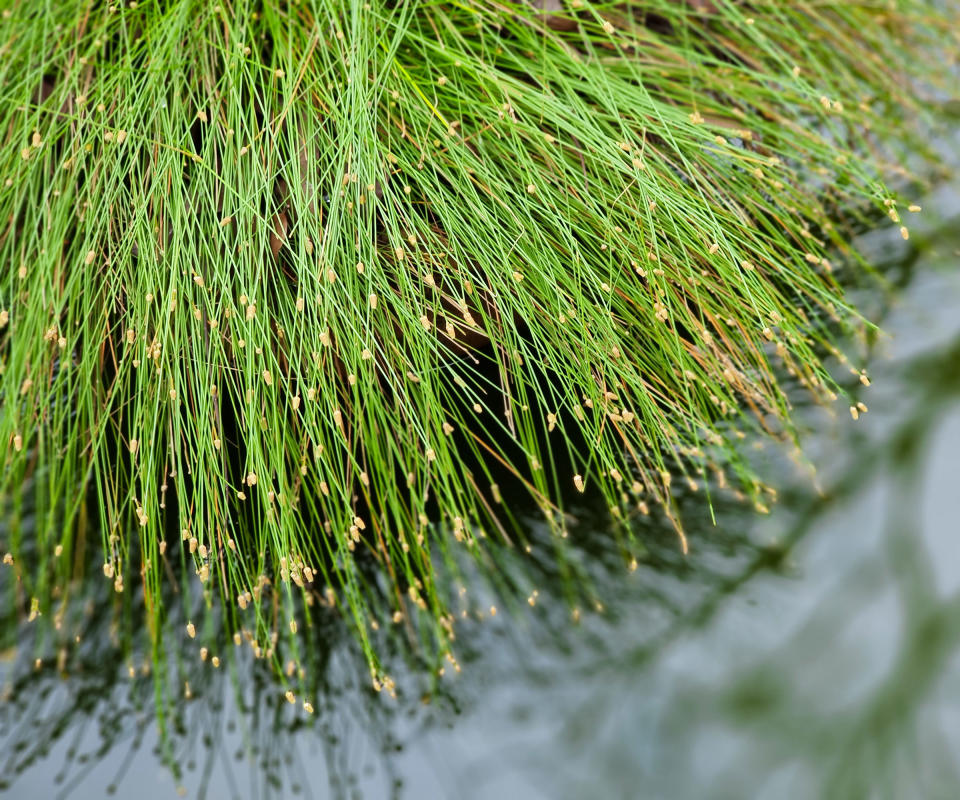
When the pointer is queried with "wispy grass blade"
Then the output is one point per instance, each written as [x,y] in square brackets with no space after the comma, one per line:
[288,289]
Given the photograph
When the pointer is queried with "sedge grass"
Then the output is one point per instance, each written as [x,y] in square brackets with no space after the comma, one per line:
[285,287]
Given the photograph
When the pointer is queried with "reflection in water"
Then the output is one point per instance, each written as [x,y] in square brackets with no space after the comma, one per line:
[812,654]
[856,695]
[86,722]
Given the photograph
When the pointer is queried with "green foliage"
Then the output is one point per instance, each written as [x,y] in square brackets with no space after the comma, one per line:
[288,289]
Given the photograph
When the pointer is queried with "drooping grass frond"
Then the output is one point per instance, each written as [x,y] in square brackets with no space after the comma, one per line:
[289,289]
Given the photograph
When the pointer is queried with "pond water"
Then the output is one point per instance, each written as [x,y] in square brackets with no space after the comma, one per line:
[811,653]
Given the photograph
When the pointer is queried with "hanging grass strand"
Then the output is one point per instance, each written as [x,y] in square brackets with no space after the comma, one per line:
[314,283]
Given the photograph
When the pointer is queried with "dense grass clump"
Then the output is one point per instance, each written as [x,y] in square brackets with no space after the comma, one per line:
[295,296]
